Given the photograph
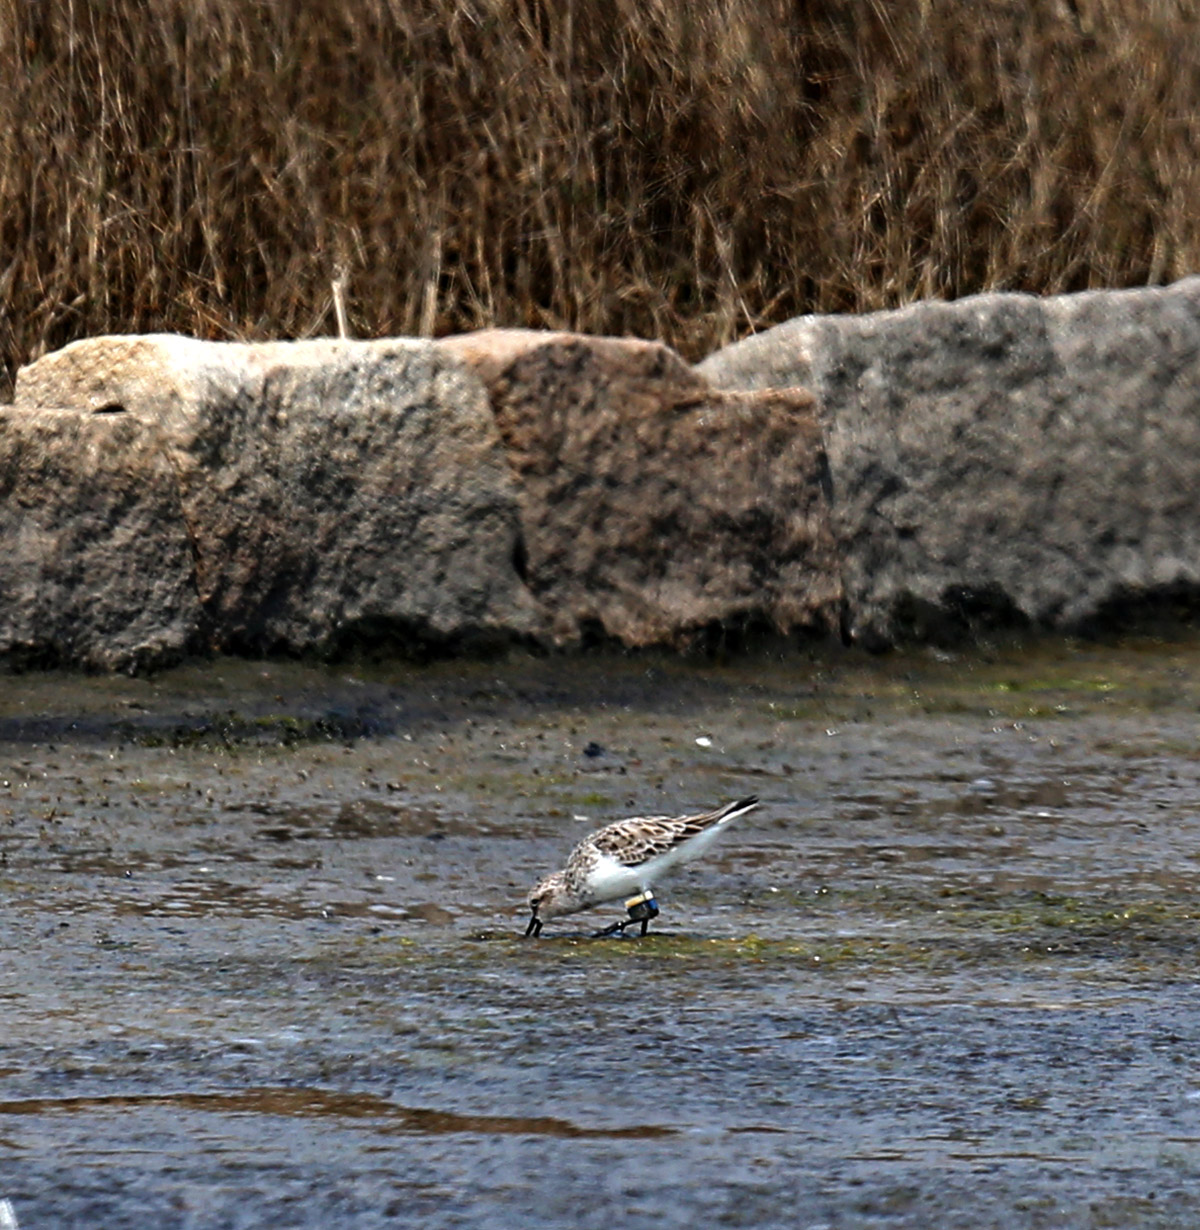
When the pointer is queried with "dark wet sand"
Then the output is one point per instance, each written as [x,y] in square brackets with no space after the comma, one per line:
[263,966]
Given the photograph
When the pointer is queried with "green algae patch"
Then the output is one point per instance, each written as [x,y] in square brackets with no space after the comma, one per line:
[1036,679]
[592,798]
[1041,913]
[688,955]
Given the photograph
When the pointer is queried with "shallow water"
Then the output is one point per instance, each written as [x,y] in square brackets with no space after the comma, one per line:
[263,962]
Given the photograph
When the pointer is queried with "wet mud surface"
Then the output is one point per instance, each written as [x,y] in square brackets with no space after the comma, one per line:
[262,962]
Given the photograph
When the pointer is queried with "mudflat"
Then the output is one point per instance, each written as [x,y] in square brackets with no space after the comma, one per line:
[263,960]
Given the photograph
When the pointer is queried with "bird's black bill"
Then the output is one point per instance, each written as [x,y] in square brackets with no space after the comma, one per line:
[534,928]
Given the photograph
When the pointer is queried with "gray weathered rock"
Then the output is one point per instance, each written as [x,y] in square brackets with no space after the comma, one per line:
[1002,456]
[97,568]
[330,490]
[654,508]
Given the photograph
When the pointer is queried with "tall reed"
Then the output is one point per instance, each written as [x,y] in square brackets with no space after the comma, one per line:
[689,171]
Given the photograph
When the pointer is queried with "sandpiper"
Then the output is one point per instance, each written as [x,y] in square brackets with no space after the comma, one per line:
[627,857]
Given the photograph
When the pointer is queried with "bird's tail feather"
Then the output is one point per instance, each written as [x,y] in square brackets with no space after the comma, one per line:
[732,810]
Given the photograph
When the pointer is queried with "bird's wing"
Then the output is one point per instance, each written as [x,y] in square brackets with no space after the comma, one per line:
[642,838]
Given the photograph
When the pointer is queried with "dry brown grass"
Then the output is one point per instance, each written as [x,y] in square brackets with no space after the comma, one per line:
[679,170]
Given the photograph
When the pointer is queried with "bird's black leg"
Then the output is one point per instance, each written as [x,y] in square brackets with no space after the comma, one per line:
[534,928]
[641,909]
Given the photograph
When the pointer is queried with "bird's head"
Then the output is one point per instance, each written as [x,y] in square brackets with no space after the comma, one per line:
[547,899]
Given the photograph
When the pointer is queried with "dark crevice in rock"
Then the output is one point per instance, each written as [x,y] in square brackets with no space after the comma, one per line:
[1160,611]
[963,614]
[520,559]
[376,638]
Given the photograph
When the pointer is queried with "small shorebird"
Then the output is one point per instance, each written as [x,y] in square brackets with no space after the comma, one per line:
[627,857]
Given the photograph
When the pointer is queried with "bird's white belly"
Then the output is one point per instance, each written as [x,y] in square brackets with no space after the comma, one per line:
[609,880]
